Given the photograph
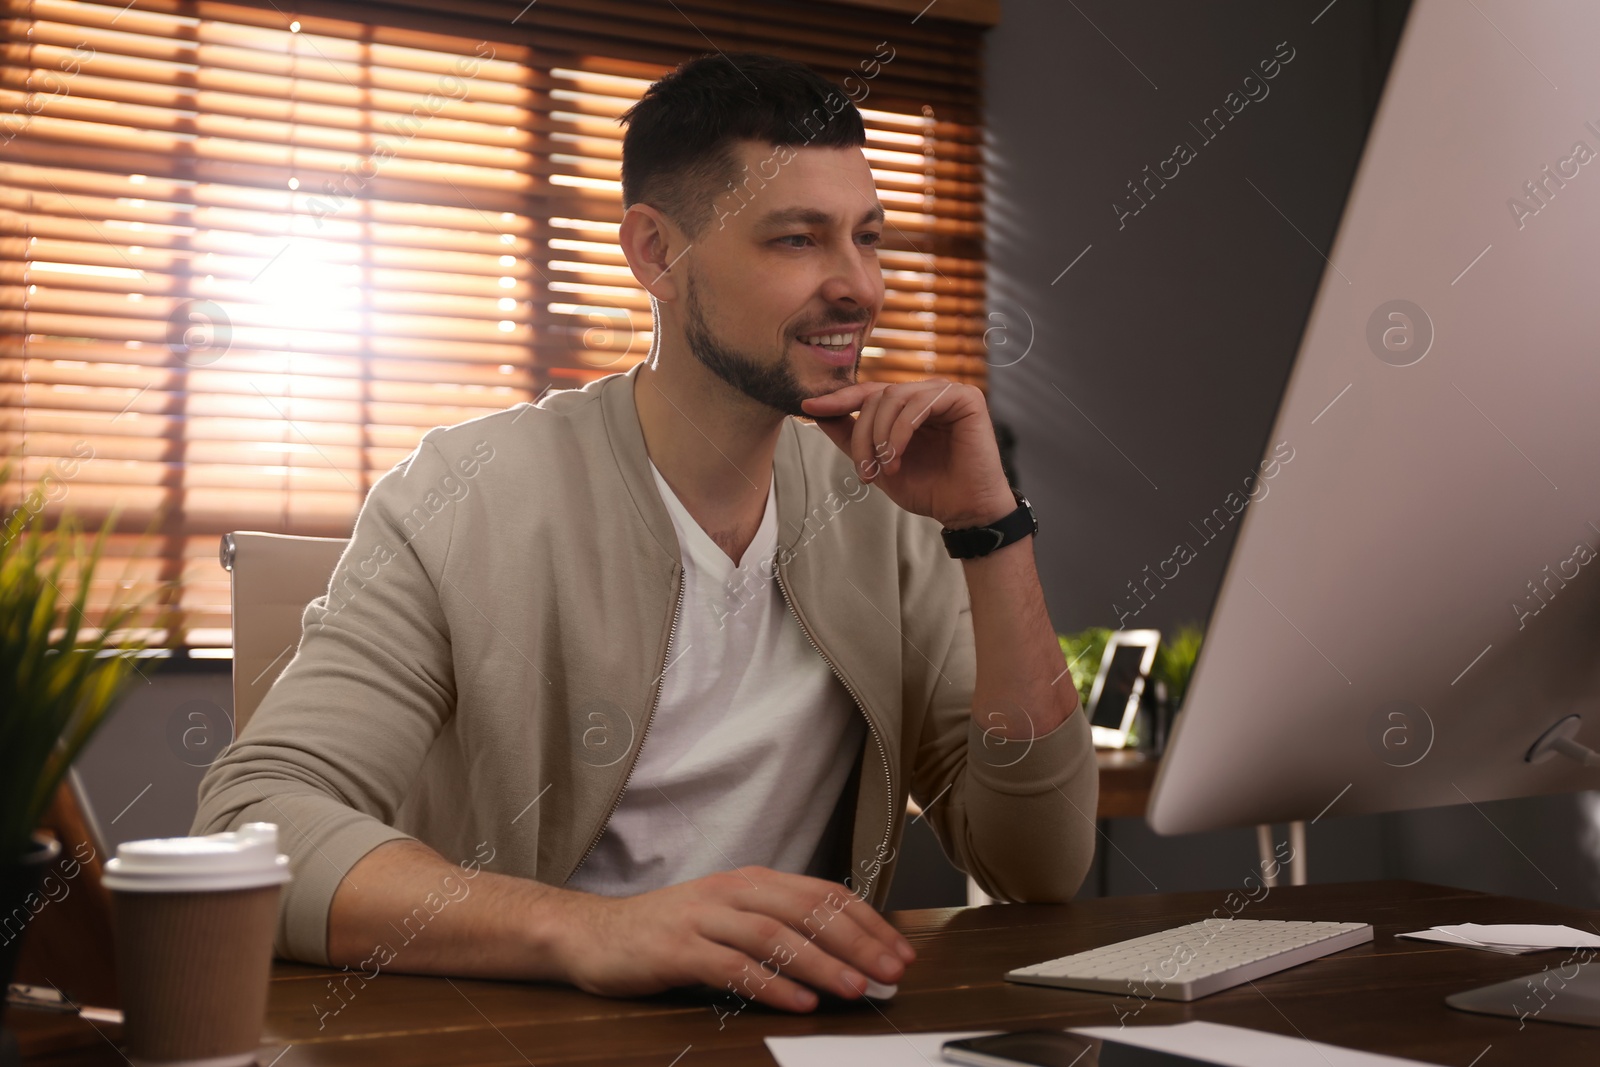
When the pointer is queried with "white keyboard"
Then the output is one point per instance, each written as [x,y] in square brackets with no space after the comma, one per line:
[1189,962]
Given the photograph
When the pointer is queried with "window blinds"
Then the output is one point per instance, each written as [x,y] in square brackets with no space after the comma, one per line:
[248,255]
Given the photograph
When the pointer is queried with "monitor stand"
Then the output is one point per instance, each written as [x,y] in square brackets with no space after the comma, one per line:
[1569,992]
[1564,993]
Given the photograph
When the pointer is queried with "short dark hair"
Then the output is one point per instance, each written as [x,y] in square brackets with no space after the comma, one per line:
[677,154]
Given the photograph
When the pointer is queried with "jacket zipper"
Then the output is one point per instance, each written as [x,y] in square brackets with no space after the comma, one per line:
[661,681]
[883,751]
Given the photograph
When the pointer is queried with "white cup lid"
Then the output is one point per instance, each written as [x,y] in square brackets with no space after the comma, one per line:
[239,859]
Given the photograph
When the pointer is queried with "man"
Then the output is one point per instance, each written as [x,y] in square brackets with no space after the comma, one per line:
[628,689]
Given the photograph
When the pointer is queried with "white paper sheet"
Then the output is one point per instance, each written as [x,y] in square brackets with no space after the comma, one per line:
[1229,1045]
[1466,942]
[1526,934]
[1511,938]
[877,1050]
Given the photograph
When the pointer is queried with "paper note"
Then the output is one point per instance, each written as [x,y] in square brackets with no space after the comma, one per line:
[1230,1046]
[877,1050]
[1510,938]
[1467,942]
[1526,934]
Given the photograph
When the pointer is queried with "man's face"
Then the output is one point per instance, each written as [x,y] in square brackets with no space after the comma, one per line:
[783,286]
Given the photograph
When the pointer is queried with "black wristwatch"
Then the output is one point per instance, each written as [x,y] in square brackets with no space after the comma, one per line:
[975,541]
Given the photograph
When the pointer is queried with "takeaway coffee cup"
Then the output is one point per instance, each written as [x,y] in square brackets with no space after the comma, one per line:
[194,919]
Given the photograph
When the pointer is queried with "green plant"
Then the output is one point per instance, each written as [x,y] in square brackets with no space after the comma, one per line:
[1083,650]
[1174,661]
[1173,664]
[59,675]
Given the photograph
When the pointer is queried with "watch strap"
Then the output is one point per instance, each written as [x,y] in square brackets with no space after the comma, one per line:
[973,542]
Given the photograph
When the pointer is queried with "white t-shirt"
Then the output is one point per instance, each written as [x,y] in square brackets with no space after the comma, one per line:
[752,740]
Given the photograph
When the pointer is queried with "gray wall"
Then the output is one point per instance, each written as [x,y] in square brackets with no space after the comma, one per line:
[1157,360]
[1153,367]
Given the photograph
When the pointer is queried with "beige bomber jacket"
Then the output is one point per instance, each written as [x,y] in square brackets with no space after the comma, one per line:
[482,672]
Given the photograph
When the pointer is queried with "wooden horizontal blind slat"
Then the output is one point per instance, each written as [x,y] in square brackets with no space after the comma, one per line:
[243,268]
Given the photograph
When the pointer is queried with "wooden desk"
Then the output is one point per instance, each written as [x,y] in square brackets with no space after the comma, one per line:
[1126,776]
[1386,997]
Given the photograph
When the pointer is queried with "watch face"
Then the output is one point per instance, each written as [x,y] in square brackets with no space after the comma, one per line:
[1033,519]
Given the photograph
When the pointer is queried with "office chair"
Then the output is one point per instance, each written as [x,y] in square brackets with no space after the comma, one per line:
[274,577]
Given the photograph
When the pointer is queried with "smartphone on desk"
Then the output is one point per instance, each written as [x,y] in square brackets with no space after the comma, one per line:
[1056,1048]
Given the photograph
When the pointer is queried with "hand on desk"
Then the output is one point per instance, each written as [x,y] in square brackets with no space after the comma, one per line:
[763,934]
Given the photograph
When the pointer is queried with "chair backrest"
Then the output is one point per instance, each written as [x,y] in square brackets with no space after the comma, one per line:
[274,577]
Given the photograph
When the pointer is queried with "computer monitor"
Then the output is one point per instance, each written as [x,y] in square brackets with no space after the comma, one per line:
[1417,601]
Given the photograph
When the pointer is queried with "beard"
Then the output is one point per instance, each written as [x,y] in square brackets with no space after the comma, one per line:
[773,384]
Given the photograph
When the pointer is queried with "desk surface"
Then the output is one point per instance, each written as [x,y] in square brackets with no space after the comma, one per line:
[1386,997]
